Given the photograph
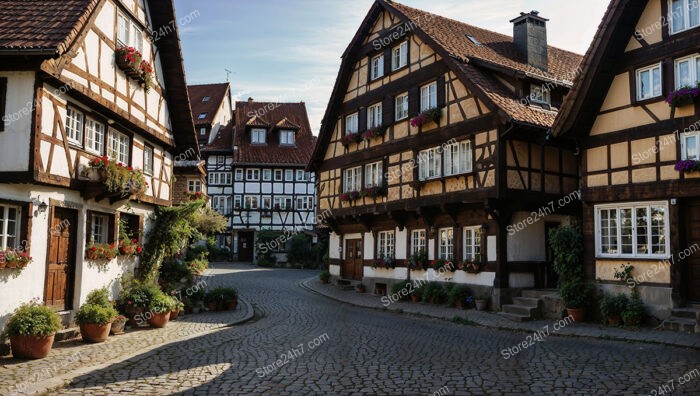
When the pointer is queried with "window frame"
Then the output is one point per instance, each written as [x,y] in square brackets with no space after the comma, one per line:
[352,177]
[104,228]
[127,26]
[374,115]
[251,202]
[352,120]
[90,141]
[386,244]
[279,172]
[686,17]
[288,133]
[374,173]
[258,132]
[638,82]
[401,114]
[267,175]
[194,186]
[424,160]
[148,164]
[113,134]
[634,236]
[402,56]
[303,175]
[684,145]
[379,65]
[431,96]
[252,174]
[5,225]
[464,149]
[474,232]
[419,243]
[239,175]
[694,63]
[69,126]
[289,175]
[449,246]
[544,97]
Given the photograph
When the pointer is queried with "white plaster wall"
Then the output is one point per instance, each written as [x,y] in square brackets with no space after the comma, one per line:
[396,273]
[368,246]
[334,270]
[14,140]
[528,244]
[521,279]
[431,248]
[333,246]
[401,245]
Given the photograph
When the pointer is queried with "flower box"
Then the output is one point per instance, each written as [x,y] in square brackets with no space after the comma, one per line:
[374,133]
[12,259]
[119,178]
[434,115]
[131,62]
[351,138]
[687,166]
[349,196]
[384,263]
[683,96]
[101,251]
[129,247]
[372,192]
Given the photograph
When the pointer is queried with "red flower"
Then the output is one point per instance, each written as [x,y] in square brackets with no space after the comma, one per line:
[129,168]
[139,249]
[119,165]
[93,249]
[111,246]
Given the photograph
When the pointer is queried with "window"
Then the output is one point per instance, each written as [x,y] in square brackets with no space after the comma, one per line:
[418,242]
[202,116]
[148,160]
[278,174]
[385,244]
[74,126]
[9,226]
[473,40]
[446,244]
[458,158]
[282,203]
[429,164]
[266,202]
[399,56]
[690,146]
[94,136]
[252,174]
[239,174]
[258,136]
[222,204]
[123,25]
[377,67]
[649,82]
[220,159]
[373,175]
[252,202]
[287,138]
[632,230]
[352,179]
[267,174]
[220,178]
[202,131]
[401,102]
[100,228]
[684,14]
[194,186]
[688,71]
[137,38]
[351,125]
[289,175]
[304,203]
[472,243]
[374,116]
[428,96]
[237,202]
[301,175]
[540,94]
[118,148]
[205,99]
[131,225]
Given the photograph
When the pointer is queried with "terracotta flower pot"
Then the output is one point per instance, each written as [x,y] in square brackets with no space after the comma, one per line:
[614,320]
[174,314]
[12,264]
[31,347]
[578,314]
[415,298]
[117,327]
[212,306]
[159,320]
[482,305]
[132,313]
[3,264]
[361,290]
[231,306]
[325,280]
[94,333]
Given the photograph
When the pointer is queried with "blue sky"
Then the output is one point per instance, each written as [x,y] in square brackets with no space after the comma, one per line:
[289,50]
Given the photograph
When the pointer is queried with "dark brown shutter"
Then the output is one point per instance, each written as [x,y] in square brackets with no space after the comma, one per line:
[342,180]
[385,171]
[362,120]
[369,69]
[3,97]
[342,126]
[413,101]
[387,61]
[667,76]
[88,226]
[416,164]
[388,111]
[441,91]
[113,227]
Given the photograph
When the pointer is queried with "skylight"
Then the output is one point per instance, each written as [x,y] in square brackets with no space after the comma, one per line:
[473,40]
[202,116]
[206,99]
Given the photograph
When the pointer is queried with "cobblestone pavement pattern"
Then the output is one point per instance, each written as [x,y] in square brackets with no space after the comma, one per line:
[370,352]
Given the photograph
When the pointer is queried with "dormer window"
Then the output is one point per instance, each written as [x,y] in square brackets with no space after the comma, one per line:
[539,94]
[258,135]
[206,99]
[202,116]
[287,138]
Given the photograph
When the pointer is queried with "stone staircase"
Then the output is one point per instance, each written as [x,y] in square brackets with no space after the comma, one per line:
[533,304]
[346,284]
[685,320]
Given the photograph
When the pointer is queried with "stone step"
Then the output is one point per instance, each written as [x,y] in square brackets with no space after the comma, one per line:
[538,293]
[685,325]
[519,310]
[690,313]
[515,317]
[527,301]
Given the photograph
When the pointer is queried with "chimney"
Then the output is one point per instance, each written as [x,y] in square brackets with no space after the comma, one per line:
[530,38]
[250,100]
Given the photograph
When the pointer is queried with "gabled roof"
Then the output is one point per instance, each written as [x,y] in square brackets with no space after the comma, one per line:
[44,27]
[473,54]
[223,141]
[599,67]
[272,152]
[286,124]
[215,92]
[257,121]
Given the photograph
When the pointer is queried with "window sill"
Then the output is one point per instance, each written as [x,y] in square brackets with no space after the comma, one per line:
[656,257]
[641,102]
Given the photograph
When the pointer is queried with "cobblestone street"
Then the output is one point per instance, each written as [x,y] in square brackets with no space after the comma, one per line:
[376,353]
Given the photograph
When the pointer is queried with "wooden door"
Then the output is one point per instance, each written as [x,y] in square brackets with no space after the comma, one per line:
[60,271]
[245,246]
[692,260]
[353,266]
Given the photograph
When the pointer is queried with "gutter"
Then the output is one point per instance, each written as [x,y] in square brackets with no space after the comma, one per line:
[28,52]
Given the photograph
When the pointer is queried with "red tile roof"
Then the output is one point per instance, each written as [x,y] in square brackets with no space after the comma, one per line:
[42,24]
[223,141]
[216,94]
[271,153]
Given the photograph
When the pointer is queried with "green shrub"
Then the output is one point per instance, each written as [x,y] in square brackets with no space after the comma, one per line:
[33,319]
[635,312]
[298,250]
[398,289]
[99,297]
[434,291]
[221,295]
[136,294]
[613,305]
[95,314]
[576,293]
[324,275]
[458,293]
[161,302]
[267,262]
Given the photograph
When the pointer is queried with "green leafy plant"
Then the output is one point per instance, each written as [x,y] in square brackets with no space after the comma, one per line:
[613,305]
[418,260]
[459,293]
[325,275]
[576,293]
[33,319]
[120,178]
[95,314]
[99,297]
[634,313]
[401,288]
[161,302]
[434,292]
[298,250]
[136,294]
[221,295]
[624,273]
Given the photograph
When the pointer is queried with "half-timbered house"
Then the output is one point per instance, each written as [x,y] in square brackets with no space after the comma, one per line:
[73,92]
[211,109]
[435,142]
[639,155]
[261,182]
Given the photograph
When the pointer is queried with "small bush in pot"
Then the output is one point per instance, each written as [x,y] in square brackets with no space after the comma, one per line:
[95,322]
[361,288]
[611,307]
[577,296]
[31,329]
[434,293]
[159,310]
[221,298]
[634,314]
[457,296]
[325,276]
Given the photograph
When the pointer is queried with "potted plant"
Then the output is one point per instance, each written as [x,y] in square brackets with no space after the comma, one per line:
[32,328]
[687,166]
[361,288]
[567,245]
[611,307]
[159,308]
[458,295]
[683,96]
[482,302]
[434,293]
[179,307]
[118,325]
[222,298]
[95,322]
[16,259]
[634,313]
[417,260]
[576,295]
[134,300]
[325,276]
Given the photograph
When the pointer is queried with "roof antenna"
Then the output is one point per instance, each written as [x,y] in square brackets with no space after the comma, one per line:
[228,73]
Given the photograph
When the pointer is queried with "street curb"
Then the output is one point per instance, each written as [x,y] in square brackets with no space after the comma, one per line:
[305,284]
[60,381]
